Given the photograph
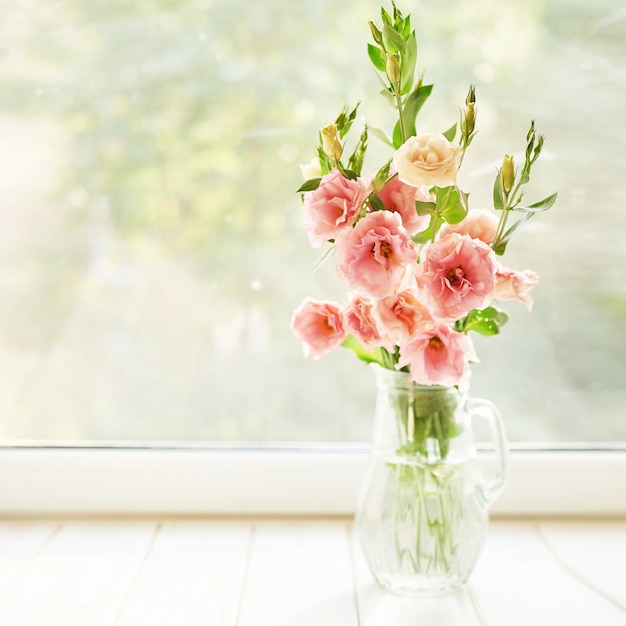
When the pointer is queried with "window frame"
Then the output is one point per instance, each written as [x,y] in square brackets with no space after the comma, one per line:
[320,480]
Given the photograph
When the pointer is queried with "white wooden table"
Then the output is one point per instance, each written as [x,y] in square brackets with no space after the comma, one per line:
[297,573]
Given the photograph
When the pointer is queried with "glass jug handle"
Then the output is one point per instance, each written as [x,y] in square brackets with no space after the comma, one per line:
[492,487]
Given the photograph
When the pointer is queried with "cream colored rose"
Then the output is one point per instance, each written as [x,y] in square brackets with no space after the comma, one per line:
[428,159]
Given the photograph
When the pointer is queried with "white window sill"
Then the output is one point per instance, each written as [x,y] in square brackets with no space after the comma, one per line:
[235,572]
[311,480]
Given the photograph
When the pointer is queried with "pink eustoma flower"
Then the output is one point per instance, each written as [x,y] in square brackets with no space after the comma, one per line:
[439,356]
[373,257]
[333,206]
[478,224]
[360,322]
[458,274]
[320,327]
[396,196]
[400,317]
[515,285]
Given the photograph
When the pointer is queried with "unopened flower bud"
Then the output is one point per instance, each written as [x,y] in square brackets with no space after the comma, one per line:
[471,95]
[538,148]
[331,143]
[468,121]
[376,34]
[507,173]
[393,69]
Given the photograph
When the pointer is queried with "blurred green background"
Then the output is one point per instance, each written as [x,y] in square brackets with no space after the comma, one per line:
[151,243]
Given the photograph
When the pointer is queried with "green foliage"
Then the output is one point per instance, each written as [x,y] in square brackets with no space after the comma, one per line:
[310,185]
[511,202]
[381,135]
[432,417]
[376,203]
[452,204]
[411,108]
[503,240]
[353,344]
[498,193]
[325,163]
[425,208]
[485,322]
[376,56]
[538,207]
[381,176]
[355,162]
[408,64]
[450,134]
[345,120]
[393,40]
[397,39]
[428,233]
[327,254]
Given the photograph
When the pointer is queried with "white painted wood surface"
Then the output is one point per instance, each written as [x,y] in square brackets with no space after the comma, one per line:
[220,572]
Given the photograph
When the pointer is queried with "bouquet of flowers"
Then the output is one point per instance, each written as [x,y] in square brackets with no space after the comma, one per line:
[423,268]
[424,272]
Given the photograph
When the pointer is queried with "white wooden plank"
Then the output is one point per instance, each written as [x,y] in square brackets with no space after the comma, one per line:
[19,543]
[80,578]
[594,551]
[193,576]
[379,607]
[518,582]
[300,574]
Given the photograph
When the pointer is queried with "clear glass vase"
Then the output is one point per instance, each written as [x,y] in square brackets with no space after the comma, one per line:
[424,506]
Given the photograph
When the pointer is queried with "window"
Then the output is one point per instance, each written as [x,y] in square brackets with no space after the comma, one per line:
[151,244]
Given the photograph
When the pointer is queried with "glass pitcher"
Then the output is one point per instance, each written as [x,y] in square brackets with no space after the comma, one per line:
[423,510]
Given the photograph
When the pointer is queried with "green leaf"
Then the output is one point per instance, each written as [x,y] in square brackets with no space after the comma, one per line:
[379,180]
[310,185]
[322,259]
[352,343]
[355,162]
[539,207]
[427,234]
[381,135]
[455,214]
[412,107]
[376,56]
[504,240]
[425,208]
[387,94]
[498,193]
[376,203]
[406,27]
[385,16]
[487,322]
[393,40]
[397,135]
[452,204]
[349,174]
[325,163]
[525,177]
[345,120]
[409,60]
[450,133]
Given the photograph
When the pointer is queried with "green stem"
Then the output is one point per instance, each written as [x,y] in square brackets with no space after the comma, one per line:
[502,223]
[435,225]
[396,91]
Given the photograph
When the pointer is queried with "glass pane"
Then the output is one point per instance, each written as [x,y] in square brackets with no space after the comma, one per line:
[151,243]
